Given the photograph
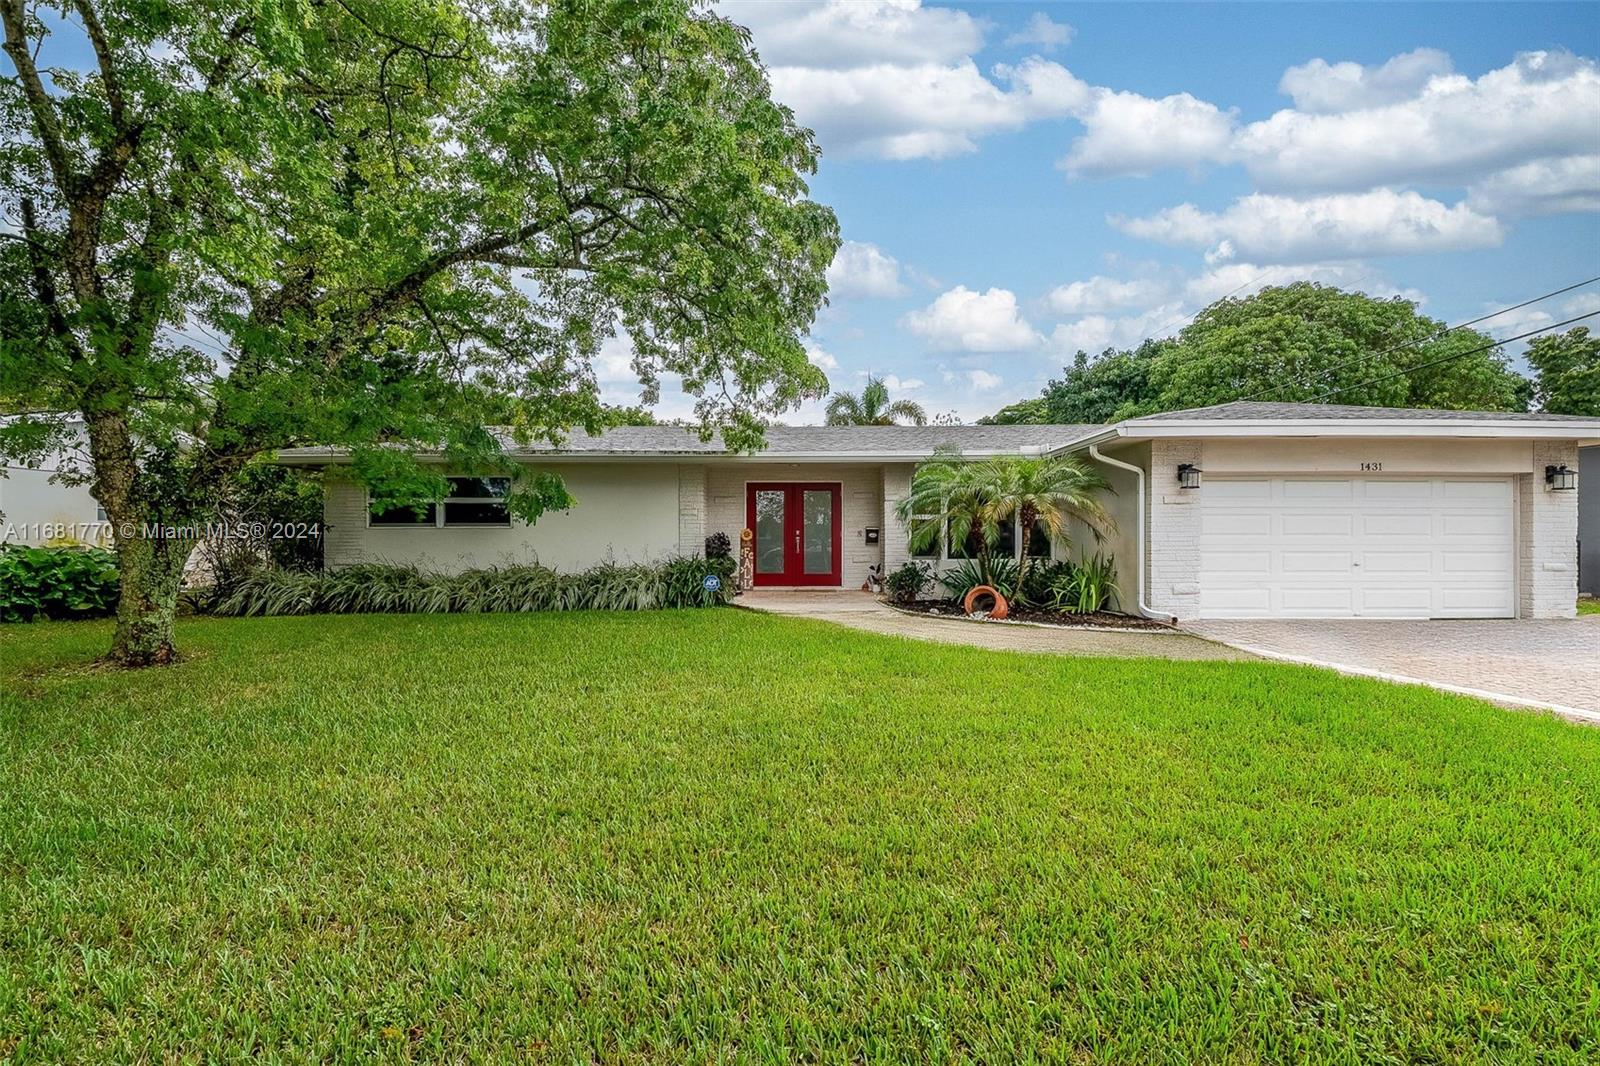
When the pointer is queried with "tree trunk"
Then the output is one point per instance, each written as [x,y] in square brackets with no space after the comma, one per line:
[151,576]
[1025,520]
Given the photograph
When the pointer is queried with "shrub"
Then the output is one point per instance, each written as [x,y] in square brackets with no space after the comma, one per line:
[1042,576]
[968,576]
[906,583]
[1086,587]
[718,546]
[382,589]
[56,583]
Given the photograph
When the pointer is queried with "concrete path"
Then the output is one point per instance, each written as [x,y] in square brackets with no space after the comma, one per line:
[1552,664]
[861,610]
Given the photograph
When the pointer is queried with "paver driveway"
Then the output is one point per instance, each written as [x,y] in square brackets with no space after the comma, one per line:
[1548,663]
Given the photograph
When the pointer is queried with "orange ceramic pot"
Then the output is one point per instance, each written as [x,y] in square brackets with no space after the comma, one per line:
[1000,609]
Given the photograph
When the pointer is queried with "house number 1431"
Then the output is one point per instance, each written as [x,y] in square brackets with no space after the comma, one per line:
[1372,467]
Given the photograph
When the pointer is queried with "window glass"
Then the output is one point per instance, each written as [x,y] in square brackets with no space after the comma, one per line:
[931,549]
[480,487]
[478,501]
[1006,546]
[1038,541]
[404,516]
[769,531]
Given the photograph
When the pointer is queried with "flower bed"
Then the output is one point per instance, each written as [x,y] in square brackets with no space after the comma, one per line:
[1036,616]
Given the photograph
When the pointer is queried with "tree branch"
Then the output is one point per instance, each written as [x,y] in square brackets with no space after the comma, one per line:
[39,102]
[45,286]
[102,55]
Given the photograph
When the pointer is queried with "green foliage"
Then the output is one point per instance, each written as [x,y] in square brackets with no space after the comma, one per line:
[719,546]
[396,223]
[1036,586]
[56,583]
[907,582]
[1566,370]
[873,408]
[1084,587]
[949,493]
[384,589]
[1001,576]
[1294,344]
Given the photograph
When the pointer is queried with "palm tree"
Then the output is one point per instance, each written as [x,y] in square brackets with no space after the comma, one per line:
[1044,491]
[873,408]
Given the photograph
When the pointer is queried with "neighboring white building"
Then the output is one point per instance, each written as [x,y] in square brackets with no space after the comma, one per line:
[1283,510]
[38,507]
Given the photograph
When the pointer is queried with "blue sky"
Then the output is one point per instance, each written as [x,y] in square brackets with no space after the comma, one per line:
[1019,180]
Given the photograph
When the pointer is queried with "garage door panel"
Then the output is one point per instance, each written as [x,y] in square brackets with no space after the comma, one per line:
[1397,525]
[1396,490]
[1317,490]
[1325,562]
[1310,547]
[1403,601]
[1238,525]
[1407,562]
[1476,525]
[1239,490]
[1317,525]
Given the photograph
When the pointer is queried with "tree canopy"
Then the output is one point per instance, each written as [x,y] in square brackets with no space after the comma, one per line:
[1300,343]
[1566,370]
[369,223]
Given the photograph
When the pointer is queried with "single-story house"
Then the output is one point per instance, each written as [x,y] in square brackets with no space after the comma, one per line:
[1243,510]
[45,503]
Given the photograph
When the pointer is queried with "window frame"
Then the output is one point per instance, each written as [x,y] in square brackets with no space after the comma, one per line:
[439,508]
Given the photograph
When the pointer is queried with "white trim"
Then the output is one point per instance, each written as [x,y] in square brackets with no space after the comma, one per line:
[1355,427]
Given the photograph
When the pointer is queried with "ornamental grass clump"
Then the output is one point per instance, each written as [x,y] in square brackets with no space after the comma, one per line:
[376,588]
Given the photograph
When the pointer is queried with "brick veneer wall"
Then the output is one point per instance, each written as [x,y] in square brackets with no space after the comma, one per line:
[692,512]
[1547,537]
[1172,545]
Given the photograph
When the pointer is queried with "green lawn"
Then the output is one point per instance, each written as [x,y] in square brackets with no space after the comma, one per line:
[1589,606]
[718,835]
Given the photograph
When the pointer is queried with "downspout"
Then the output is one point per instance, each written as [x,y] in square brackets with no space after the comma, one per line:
[1139,537]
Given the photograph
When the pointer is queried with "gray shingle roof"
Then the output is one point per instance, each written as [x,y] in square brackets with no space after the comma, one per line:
[818,440]
[1246,411]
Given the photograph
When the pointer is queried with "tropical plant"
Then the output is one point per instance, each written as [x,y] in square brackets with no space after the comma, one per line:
[1085,587]
[1035,589]
[873,408]
[906,583]
[56,583]
[384,589]
[970,501]
[383,225]
[1000,576]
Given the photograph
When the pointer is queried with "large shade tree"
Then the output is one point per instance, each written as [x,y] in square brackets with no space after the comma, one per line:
[1567,372]
[376,223]
[1300,343]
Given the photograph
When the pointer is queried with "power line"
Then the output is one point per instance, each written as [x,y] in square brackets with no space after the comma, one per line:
[1455,355]
[1278,389]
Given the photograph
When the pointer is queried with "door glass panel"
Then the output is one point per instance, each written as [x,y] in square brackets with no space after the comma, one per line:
[817,510]
[769,531]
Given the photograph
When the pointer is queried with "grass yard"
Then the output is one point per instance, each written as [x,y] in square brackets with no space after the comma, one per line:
[1589,606]
[718,835]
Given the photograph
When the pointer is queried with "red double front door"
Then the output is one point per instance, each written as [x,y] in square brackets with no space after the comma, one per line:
[797,532]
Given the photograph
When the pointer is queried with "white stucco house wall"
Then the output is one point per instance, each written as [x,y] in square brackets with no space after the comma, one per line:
[46,504]
[1282,510]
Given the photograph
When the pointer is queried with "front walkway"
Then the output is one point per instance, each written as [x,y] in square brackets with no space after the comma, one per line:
[1551,664]
[861,610]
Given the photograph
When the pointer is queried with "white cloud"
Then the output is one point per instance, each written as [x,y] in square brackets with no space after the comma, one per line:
[1406,121]
[1101,293]
[983,381]
[1129,134]
[927,111]
[1278,229]
[1542,187]
[819,358]
[1096,333]
[1044,31]
[864,271]
[1329,88]
[1238,280]
[895,383]
[964,320]
[849,33]
[1541,105]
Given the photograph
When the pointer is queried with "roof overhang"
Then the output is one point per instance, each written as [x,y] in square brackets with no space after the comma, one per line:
[340,456]
[1584,432]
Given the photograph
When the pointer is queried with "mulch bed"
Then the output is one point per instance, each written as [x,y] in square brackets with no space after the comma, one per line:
[1096,620]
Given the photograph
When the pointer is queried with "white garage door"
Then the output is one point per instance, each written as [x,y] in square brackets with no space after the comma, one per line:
[1357,548]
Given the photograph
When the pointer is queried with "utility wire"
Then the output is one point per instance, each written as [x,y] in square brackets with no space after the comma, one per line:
[1277,389]
[1455,355]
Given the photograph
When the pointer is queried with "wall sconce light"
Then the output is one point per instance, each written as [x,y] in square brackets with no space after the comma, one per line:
[1188,476]
[1560,478]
